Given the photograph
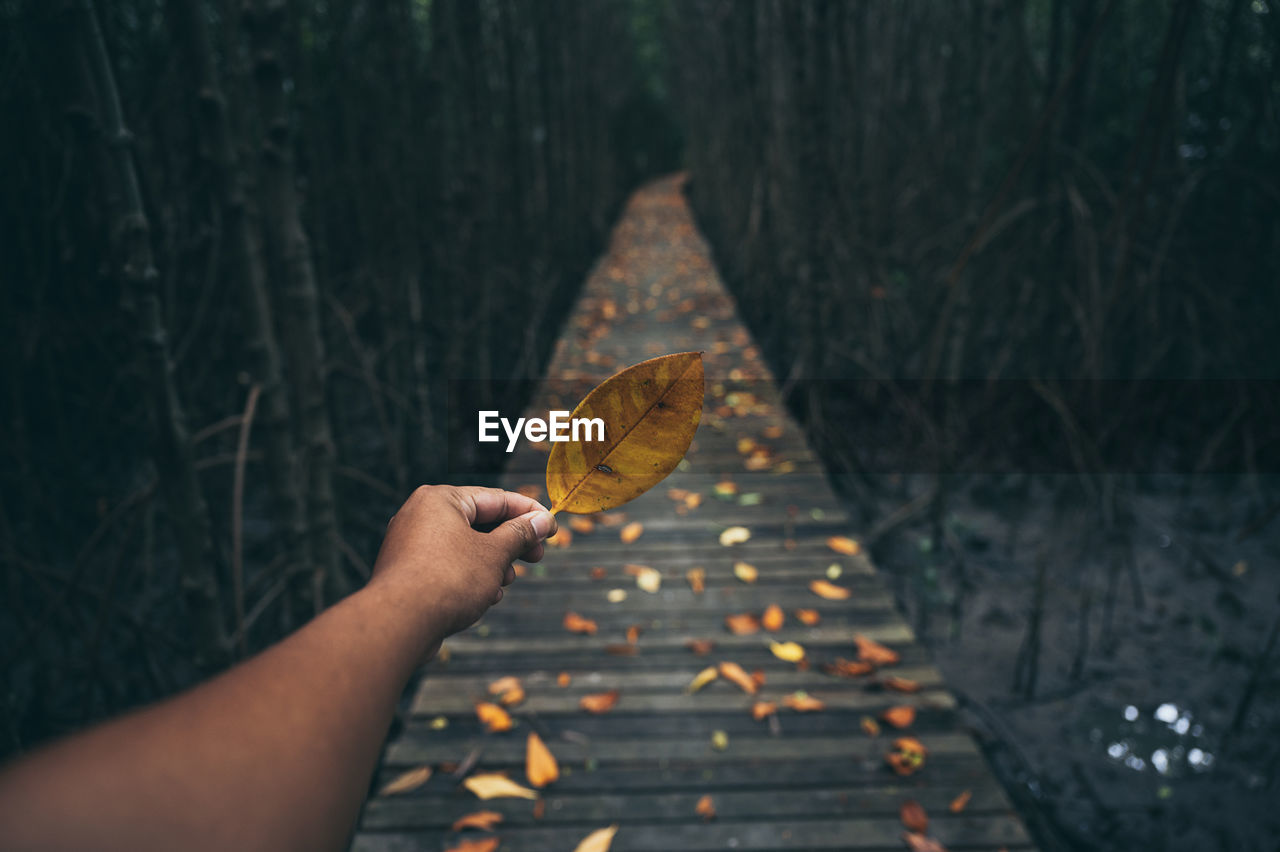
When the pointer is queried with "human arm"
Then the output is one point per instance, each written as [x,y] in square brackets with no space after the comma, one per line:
[277,752]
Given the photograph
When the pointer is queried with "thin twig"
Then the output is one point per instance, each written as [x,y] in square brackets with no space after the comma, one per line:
[237,513]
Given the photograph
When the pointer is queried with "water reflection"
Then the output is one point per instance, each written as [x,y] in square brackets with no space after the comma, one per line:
[1166,739]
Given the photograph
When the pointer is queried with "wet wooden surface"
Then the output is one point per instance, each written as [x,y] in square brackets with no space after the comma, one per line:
[814,780]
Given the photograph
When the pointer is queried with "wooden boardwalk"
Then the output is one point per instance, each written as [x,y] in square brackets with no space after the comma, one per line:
[814,780]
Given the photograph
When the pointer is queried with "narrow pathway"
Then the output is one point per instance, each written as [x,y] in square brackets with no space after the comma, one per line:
[789,781]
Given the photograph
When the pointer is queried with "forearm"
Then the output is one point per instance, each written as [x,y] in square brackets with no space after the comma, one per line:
[274,754]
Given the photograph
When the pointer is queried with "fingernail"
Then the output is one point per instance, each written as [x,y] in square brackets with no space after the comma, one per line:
[542,524]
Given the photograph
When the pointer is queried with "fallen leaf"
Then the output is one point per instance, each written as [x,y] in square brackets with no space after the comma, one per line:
[677,494]
[870,726]
[763,709]
[616,596]
[482,820]
[745,572]
[920,843]
[504,684]
[745,446]
[735,535]
[615,519]
[581,525]
[772,619]
[900,717]
[808,617]
[648,579]
[702,678]
[757,677]
[830,591]
[791,652]
[599,702]
[705,808]
[575,623]
[597,841]
[693,501]
[738,675]
[700,646]
[719,740]
[598,573]
[540,765]
[906,756]
[563,679]
[913,816]
[406,781]
[494,786]
[650,412]
[899,684]
[563,538]
[697,580]
[495,719]
[539,809]
[631,532]
[512,696]
[621,650]
[725,488]
[803,702]
[848,668]
[871,651]
[742,625]
[633,634]
[843,544]
[959,803]
[486,844]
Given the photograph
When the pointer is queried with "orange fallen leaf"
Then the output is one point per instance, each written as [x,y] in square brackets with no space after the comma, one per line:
[575,623]
[650,412]
[959,803]
[633,634]
[763,709]
[611,519]
[495,719]
[540,765]
[725,488]
[693,501]
[700,646]
[697,580]
[598,573]
[906,756]
[870,726]
[621,649]
[562,538]
[830,591]
[900,717]
[492,785]
[802,702]
[599,702]
[504,684]
[745,572]
[847,668]
[790,652]
[406,781]
[773,619]
[871,651]
[738,675]
[563,679]
[539,809]
[631,532]
[843,544]
[899,684]
[741,625]
[512,696]
[482,820]
[913,816]
[487,844]
[757,677]
[582,525]
[808,617]
[677,494]
[597,841]
[705,808]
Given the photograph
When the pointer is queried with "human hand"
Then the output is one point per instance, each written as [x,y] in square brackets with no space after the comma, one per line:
[433,552]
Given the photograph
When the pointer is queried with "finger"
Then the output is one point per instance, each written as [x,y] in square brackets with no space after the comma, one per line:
[523,535]
[497,596]
[509,575]
[483,505]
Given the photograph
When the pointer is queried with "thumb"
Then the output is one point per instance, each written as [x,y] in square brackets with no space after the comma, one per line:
[523,536]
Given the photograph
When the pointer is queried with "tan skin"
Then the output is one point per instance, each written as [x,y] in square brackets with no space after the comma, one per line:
[277,752]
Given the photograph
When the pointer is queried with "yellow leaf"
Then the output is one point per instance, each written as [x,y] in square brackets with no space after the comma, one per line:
[719,740]
[830,591]
[631,532]
[540,765]
[597,841]
[772,619]
[726,488]
[483,820]
[406,781]
[495,719]
[495,786]
[791,652]
[745,572]
[735,535]
[703,678]
[843,544]
[650,413]
[697,580]
[870,726]
[648,579]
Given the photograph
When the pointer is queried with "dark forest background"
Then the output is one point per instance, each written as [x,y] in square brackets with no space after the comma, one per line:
[244,245]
